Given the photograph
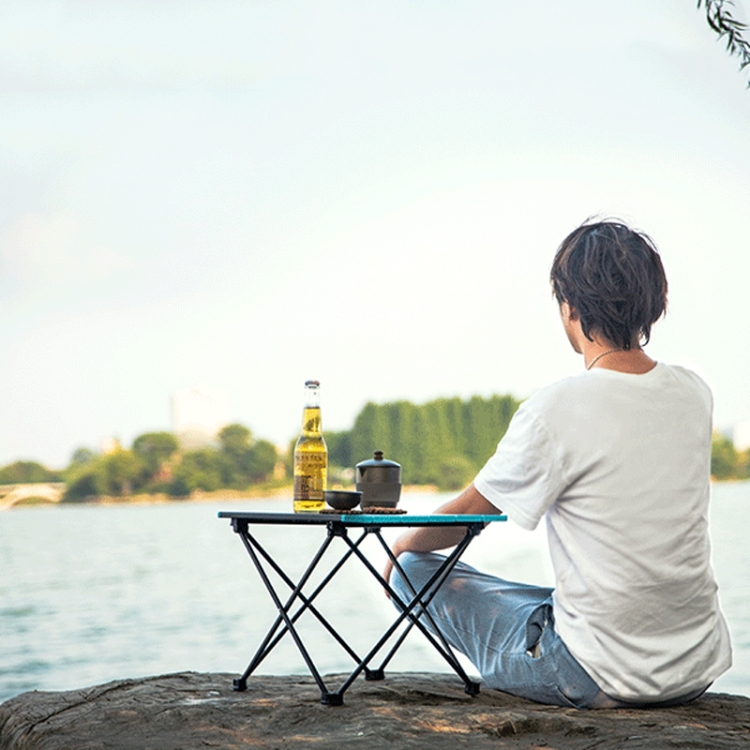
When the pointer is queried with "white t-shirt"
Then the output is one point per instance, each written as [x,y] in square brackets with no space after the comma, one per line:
[620,464]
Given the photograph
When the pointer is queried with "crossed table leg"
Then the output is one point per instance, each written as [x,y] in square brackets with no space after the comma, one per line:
[412,612]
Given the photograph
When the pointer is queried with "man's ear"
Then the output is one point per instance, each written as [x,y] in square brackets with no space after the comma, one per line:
[568,312]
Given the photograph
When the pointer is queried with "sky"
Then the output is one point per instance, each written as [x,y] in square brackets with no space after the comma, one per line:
[244,195]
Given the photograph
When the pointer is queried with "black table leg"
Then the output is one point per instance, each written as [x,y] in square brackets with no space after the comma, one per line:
[268,644]
[425,596]
[241,684]
[254,549]
[419,600]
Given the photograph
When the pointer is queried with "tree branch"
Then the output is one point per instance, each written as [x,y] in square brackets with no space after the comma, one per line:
[720,19]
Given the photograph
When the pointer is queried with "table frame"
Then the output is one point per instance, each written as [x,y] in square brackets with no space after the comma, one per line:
[338,526]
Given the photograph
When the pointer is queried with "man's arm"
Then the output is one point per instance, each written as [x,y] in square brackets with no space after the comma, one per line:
[429,539]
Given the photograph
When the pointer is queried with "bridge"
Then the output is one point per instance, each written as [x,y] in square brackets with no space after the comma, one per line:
[12,494]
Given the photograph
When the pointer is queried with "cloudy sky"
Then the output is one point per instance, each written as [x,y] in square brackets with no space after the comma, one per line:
[244,195]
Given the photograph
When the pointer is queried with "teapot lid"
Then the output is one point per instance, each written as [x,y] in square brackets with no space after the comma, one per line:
[378,460]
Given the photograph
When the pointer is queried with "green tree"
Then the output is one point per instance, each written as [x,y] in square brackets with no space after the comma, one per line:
[455,472]
[198,470]
[80,484]
[235,449]
[402,419]
[154,448]
[724,458]
[260,461]
[442,442]
[113,474]
[117,472]
[243,460]
[27,472]
[81,475]
[720,19]
[370,433]
[235,439]
[339,446]
[82,456]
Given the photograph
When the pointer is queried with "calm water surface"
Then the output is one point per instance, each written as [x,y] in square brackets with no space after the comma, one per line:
[90,594]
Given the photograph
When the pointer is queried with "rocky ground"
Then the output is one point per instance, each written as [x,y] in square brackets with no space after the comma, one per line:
[190,711]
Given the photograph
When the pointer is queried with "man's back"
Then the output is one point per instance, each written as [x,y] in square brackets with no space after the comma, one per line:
[622,469]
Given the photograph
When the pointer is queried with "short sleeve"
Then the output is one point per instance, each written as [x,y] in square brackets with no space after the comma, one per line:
[524,476]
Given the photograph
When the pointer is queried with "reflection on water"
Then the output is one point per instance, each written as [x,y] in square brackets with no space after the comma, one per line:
[95,593]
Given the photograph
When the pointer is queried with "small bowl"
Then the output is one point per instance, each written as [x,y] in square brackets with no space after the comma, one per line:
[343,499]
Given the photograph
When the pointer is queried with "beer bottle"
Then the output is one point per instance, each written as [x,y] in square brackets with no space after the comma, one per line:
[310,455]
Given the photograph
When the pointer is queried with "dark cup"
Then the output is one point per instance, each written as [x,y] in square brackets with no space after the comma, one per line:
[343,499]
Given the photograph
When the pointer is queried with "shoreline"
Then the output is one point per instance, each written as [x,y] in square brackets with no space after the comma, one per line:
[161,498]
[252,493]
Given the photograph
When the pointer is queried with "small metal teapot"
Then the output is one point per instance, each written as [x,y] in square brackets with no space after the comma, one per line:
[379,481]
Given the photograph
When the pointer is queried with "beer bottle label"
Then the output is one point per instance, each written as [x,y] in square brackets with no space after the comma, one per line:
[308,476]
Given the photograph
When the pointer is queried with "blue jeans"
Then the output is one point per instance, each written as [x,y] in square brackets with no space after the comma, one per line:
[507,631]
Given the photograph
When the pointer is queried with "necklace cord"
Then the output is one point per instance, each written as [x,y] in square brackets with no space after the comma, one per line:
[599,356]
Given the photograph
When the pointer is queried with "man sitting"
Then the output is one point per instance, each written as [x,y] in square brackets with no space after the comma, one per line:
[617,459]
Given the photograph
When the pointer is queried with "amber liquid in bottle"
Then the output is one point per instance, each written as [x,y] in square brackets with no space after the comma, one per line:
[310,456]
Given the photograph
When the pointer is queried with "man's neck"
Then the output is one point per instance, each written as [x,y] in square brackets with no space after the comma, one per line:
[607,356]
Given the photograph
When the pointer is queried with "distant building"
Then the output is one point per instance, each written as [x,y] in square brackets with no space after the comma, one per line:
[110,445]
[741,436]
[198,415]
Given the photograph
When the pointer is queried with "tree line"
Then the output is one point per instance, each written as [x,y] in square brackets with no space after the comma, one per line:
[441,443]
[156,464]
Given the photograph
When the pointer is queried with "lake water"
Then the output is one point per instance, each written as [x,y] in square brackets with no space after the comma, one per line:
[90,594]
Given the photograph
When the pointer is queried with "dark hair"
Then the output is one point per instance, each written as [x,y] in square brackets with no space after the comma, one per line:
[614,278]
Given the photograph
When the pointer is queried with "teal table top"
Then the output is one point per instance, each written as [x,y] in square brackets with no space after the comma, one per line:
[360,519]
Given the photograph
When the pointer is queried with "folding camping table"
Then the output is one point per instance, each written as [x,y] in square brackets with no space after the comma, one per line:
[338,527]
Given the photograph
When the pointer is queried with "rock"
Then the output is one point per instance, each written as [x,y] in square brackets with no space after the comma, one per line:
[187,711]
